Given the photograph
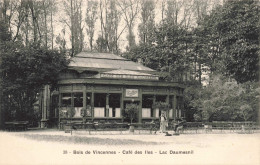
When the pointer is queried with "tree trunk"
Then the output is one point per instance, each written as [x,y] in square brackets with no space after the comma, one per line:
[72,28]
[52,34]
[45,25]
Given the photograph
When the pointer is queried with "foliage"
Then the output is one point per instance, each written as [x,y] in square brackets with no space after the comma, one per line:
[71,112]
[25,70]
[232,39]
[131,111]
[191,93]
[226,100]
[168,53]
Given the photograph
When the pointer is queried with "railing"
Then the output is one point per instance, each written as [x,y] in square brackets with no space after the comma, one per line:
[108,126]
[220,127]
[16,125]
[153,127]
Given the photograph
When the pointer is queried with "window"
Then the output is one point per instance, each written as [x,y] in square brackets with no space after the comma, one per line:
[99,112]
[78,103]
[99,104]
[114,105]
[78,99]
[88,105]
[99,100]
[65,104]
[66,99]
[146,112]
[170,113]
[114,112]
[161,98]
[88,99]
[179,106]
[171,107]
[147,106]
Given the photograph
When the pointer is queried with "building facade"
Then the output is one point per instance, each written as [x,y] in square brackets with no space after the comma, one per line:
[98,86]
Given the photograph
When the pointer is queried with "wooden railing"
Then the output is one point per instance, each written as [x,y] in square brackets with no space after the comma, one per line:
[16,125]
[187,127]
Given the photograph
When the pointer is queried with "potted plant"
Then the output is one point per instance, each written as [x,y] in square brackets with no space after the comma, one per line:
[131,111]
[70,115]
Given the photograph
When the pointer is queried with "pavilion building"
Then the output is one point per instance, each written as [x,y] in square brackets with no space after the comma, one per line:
[98,86]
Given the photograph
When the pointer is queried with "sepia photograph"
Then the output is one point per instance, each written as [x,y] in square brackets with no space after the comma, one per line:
[129,82]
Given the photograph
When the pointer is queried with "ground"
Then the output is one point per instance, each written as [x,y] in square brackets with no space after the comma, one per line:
[57,147]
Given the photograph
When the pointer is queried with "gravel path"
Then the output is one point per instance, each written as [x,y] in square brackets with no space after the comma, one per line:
[56,147]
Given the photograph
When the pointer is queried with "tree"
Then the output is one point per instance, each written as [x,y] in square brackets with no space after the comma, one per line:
[167,53]
[226,100]
[130,10]
[109,18]
[233,39]
[49,8]
[245,111]
[147,24]
[25,70]
[131,111]
[61,42]
[173,10]
[91,17]
[241,40]
[5,36]
[73,10]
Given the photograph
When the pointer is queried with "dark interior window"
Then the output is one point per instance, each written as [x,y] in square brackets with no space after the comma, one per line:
[66,99]
[161,98]
[100,100]
[78,99]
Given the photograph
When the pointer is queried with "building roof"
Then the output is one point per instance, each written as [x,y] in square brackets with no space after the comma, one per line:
[99,55]
[105,61]
[124,72]
[127,74]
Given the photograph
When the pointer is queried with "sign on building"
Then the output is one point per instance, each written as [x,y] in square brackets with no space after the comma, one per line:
[131,92]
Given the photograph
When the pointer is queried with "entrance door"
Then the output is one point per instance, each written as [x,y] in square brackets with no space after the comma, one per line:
[137,115]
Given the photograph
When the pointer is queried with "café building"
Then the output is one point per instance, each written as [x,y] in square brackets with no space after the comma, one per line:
[98,86]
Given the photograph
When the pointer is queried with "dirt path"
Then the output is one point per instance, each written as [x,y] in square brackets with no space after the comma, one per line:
[55,147]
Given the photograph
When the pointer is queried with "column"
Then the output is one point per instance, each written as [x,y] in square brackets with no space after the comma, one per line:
[182,107]
[45,95]
[177,107]
[122,106]
[84,97]
[153,111]
[84,102]
[174,106]
[107,106]
[140,107]
[92,103]
[45,99]
[48,101]
[167,101]
[59,106]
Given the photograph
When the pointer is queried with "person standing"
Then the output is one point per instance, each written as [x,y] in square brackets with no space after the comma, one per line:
[163,123]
